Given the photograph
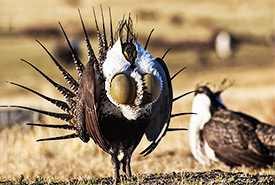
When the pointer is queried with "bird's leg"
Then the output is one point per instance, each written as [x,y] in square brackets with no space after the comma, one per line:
[126,165]
[116,167]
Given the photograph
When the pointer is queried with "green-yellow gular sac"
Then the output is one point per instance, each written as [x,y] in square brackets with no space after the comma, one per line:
[152,88]
[123,89]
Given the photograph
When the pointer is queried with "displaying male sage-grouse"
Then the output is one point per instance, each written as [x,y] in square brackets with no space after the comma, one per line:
[216,133]
[121,94]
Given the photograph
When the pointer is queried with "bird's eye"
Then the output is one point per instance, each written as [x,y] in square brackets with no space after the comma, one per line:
[123,89]
[152,88]
[126,55]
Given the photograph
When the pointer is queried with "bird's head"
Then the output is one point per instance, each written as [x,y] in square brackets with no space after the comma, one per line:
[132,80]
[209,96]
[129,51]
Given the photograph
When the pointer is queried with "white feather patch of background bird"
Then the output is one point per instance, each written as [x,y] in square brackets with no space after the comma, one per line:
[201,105]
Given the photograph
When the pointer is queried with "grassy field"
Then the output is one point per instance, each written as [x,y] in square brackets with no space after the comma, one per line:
[252,70]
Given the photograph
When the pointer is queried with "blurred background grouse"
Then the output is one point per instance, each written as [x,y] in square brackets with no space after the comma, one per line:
[219,134]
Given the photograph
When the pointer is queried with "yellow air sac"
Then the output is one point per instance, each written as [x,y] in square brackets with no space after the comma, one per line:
[123,89]
[152,88]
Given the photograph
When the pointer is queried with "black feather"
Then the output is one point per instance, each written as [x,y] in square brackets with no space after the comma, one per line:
[70,136]
[68,77]
[66,127]
[78,64]
[147,42]
[165,53]
[91,54]
[64,117]
[176,129]
[63,105]
[177,73]
[63,90]
[111,29]
[175,99]
[100,41]
[181,114]
[104,39]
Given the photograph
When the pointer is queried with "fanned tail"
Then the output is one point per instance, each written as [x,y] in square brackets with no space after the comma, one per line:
[148,39]
[104,39]
[69,95]
[175,99]
[100,42]
[163,56]
[67,76]
[150,148]
[70,136]
[177,73]
[91,54]
[111,29]
[63,105]
[176,129]
[78,64]
[181,114]
[64,117]
[65,126]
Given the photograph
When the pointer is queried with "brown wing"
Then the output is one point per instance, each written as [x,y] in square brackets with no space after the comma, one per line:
[265,132]
[87,114]
[161,110]
[234,140]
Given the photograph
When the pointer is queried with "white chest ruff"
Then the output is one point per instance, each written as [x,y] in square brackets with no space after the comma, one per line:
[200,149]
[116,63]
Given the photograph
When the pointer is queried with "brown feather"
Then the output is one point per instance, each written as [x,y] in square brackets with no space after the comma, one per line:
[234,140]
[87,101]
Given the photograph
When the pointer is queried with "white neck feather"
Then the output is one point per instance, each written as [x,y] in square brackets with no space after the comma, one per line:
[201,106]
[116,63]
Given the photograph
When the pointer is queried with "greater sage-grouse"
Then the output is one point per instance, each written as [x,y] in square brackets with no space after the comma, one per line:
[216,133]
[120,95]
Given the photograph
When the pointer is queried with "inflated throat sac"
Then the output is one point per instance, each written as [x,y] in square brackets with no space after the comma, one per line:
[123,89]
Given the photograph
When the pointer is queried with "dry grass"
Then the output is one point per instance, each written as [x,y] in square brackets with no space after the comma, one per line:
[252,72]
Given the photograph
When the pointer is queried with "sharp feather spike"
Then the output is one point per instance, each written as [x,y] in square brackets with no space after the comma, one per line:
[177,73]
[104,39]
[175,99]
[128,31]
[100,42]
[147,149]
[68,77]
[148,39]
[111,29]
[150,148]
[78,64]
[91,54]
[176,129]
[165,53]
[181,114]
[63,105]
[63,90]
[65,127]
[64,117]
[70,136]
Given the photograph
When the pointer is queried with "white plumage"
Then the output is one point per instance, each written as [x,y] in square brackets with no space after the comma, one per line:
[145,64]
[202,152]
